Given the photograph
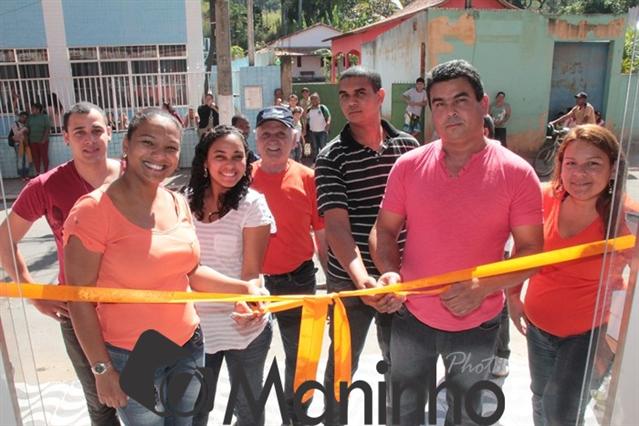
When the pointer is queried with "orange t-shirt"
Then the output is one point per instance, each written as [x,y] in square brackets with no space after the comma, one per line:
[561,298]
[292,199]
[138,258]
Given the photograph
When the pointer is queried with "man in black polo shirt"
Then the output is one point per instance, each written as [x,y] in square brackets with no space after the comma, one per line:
[209,115]
[350,175]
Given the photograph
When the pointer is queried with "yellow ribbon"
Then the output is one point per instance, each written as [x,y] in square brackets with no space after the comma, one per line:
[315,307]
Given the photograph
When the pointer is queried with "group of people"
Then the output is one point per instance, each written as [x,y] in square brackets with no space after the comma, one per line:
[29,137]
[377,209]
[312,121]
[416,100]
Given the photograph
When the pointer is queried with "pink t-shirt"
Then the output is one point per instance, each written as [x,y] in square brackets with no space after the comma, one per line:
[459,222]
[52,195]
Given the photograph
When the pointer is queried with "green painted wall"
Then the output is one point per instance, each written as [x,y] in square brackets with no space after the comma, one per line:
[398,106]
[328,96]
[513,51]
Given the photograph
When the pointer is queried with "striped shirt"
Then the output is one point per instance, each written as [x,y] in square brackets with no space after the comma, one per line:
[221,248]
[353,177]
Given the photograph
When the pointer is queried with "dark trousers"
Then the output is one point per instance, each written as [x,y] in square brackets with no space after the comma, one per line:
[500,135]
[100,414]
[299,281]
[467,357]
[558,372]
[317,141]
[250,363]
[360,316]
[40,155]
[503,338]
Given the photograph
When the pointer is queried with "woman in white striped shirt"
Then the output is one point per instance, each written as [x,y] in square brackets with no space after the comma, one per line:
[233,224]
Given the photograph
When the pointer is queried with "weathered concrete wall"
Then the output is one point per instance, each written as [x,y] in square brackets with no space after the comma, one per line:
[396,54]
[513,51]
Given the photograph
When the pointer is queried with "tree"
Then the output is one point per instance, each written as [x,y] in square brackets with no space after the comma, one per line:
[351,14]
[237,52]
[577,6]
[630,62]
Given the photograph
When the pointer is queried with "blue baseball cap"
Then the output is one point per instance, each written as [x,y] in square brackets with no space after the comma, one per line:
[277,113]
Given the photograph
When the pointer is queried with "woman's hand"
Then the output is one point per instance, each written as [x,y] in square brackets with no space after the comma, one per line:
[249,313]
[109,391]
[246,315]
[516,310]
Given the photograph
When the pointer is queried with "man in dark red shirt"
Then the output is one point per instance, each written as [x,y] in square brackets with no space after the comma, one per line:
[52,195]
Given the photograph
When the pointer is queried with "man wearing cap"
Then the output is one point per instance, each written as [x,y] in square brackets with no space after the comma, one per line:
[581,113]
[289,189]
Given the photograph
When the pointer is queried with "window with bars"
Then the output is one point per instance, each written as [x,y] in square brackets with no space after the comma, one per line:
[117,77]
[24,79]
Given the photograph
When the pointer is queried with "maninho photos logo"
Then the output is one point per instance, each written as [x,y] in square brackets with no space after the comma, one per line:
[153,351]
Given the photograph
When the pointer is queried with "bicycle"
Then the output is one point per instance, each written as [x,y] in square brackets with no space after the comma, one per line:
[544,162]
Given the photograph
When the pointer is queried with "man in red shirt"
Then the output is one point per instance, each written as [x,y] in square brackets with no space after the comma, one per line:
[52,195]
[289,189]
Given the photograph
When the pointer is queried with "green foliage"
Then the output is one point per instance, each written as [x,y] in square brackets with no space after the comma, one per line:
[351,14]
[206,27]
[345,15]
[630,62]
[577,6]
[237,52]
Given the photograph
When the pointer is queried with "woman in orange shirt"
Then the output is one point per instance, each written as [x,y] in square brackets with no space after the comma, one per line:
[559,309]
[136,234]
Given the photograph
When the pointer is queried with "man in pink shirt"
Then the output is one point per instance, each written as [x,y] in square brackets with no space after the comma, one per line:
[52,195]
[459,198]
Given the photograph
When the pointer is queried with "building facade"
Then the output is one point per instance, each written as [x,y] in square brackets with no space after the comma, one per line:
[119,55]
[540,62]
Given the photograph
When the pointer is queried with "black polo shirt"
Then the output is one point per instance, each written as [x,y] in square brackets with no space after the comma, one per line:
[353,177]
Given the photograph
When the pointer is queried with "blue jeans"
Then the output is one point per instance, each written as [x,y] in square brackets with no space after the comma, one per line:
[467,357]
[248,362]
[503,338]
[557,372]
[299,281]
[360,316]
[317,140]
[100,414]
[135,414]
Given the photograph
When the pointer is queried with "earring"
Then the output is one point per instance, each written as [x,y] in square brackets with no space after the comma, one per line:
[206,172]
[611,186]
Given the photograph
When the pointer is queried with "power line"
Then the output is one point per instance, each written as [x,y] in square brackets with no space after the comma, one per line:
[21,7]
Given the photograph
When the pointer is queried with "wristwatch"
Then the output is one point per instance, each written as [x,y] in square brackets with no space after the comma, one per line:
[100,368]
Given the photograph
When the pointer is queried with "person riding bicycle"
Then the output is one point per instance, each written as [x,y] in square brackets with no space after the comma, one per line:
[581,113]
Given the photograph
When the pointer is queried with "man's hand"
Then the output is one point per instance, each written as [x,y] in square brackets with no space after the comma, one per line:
[52,308]
[383,303]
[464,297]
[109,391]
[516,311]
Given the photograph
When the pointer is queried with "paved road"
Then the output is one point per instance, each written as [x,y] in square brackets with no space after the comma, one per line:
[50,394]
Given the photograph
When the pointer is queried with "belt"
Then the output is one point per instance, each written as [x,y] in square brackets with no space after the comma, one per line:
[293,273]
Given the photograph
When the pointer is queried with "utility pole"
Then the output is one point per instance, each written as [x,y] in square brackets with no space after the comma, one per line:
[210,58]
[251,32]
[224,74]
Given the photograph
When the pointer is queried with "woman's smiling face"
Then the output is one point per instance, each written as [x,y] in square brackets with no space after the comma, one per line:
[153,149]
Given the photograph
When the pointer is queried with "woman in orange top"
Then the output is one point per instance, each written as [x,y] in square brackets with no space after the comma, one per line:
[136,234]
[559,309]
